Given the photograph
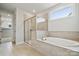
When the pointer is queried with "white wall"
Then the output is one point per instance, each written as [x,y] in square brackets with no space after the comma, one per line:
[21,15]
[65,24]
[19,26]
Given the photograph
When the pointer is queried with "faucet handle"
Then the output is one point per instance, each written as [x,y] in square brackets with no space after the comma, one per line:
[44,39]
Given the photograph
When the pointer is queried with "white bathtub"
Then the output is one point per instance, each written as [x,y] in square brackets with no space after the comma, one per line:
[60,42]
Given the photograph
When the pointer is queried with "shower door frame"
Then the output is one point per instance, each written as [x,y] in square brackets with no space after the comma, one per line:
[25,28]
[0,29]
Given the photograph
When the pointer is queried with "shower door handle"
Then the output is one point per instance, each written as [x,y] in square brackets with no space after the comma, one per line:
[30,29]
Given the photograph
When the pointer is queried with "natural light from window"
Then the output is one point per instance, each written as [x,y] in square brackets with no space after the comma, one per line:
[40,19]
[60,13]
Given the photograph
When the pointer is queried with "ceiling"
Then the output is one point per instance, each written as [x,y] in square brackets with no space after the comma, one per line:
[29,7]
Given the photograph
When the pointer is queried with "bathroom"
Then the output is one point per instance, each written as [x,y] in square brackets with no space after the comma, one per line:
[55,31]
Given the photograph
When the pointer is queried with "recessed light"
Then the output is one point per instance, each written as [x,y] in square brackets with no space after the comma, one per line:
[8,14]
[34,10]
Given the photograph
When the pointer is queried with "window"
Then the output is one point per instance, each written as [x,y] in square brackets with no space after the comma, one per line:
[40,19]
[60,13]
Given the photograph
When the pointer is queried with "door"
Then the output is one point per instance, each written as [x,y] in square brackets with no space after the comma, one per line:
[0,29]
[27,30]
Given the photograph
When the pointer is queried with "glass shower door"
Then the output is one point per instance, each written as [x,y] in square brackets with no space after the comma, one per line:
[27,31]
[0,29]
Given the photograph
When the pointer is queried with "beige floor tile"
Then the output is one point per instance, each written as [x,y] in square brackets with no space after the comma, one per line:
[7,49]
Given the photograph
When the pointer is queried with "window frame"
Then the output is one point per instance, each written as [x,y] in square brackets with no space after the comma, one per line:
[57,10]
[40,21]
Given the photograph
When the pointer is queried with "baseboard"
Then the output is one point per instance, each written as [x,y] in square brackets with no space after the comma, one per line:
[17,43]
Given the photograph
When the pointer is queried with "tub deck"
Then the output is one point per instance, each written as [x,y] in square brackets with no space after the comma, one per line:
[64,43]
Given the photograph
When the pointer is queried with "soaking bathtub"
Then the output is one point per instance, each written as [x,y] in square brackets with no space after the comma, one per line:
[60,42]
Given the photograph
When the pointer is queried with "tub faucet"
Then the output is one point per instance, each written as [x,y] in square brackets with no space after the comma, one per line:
[43,38]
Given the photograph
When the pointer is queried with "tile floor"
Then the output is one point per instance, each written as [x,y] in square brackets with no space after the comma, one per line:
[7,49]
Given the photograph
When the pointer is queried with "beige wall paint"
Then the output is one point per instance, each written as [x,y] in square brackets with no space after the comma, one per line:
[41,26]
[65,34]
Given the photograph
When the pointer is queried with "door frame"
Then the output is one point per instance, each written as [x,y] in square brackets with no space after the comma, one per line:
[0,28]
[24,27]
